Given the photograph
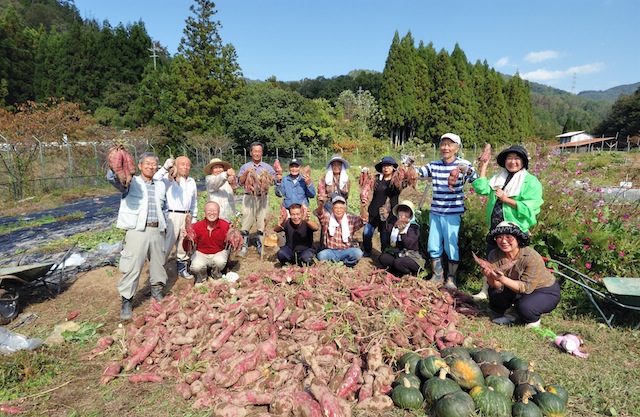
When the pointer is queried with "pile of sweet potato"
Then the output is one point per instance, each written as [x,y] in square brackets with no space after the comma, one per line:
[321,339]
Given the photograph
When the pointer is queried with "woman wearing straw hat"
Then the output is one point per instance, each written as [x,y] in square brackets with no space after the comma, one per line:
[405,236]
[220,183]
[521,286]
[514,196]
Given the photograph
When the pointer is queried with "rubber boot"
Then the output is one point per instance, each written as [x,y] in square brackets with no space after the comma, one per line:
[259,242]
[452,272]
[438,273]
[245,244]
[156,292]
[484,292]
[127,309]
[201,277]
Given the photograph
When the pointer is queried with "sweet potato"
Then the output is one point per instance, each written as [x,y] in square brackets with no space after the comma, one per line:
[485,156]
[351,378]
[454,174]
[277,167]
[252,182]
[331,404]
[110,372]
[307,406]
[184,390]
[234,239]
[145,350]
[265,182]
[377,403]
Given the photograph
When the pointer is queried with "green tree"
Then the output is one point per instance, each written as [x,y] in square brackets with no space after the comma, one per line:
[623,119]
[519,106]
[17,43]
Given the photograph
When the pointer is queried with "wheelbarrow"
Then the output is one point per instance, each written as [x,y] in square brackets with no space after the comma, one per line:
[612,292]
[14,278]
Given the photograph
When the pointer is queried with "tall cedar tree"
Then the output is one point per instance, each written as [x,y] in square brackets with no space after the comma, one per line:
[519,107]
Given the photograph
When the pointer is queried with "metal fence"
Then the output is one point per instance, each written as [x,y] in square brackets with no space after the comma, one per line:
[41,168]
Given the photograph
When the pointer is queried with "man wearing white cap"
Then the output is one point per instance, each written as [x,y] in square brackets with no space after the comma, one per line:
[448,176]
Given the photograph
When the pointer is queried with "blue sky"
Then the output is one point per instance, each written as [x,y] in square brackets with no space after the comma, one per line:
[573,45]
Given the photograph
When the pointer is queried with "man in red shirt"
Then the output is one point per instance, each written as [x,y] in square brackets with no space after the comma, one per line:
[211,252]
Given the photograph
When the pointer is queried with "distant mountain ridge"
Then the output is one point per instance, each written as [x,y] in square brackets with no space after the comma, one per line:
[611,94]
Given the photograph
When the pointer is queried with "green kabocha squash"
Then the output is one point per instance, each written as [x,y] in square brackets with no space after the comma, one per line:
[500,384]
[487,355]
[438,386]
[413,379]
[465,372]
[410,360]
[559,390]
[525,408]
[455,351]
[455,404]
[550,404]
[428,367]
[506,356]
[516,363]
[523,391]
[406,396]
[490,402]
[526,376]
[494,369]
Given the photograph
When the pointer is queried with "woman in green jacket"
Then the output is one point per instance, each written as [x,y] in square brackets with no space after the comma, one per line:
[514,196]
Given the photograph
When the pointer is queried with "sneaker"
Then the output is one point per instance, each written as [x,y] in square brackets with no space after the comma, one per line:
[243,251]
[532,325]
[504,320]
[185,274]
[480,296]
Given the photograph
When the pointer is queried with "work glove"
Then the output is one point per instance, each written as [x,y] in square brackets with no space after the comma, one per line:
[168,164]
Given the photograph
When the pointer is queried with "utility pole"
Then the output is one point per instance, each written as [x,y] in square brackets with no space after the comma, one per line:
[573,85]
[154,55]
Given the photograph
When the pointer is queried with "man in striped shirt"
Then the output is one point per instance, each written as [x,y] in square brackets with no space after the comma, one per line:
[448,176]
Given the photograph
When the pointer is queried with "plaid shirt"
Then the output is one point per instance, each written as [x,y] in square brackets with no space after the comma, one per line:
[335,241]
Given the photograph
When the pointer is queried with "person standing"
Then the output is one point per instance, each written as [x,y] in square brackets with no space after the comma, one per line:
[338,228]
[383,190]
[448,176]
[298,230]
[336,181]
[296,187]
[209,242]
[141,215]
[515,195]
[405,259]
[221,183]
[525,289]
[255,203]
[182,201]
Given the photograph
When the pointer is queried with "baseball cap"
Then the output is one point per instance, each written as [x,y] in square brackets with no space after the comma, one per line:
[455,138]
[295,161]
[338,199]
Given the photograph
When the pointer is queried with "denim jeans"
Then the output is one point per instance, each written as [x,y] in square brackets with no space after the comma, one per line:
[349,256]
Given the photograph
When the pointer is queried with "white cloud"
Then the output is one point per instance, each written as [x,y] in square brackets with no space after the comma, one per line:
[544,75]
[541,56]
[502,62]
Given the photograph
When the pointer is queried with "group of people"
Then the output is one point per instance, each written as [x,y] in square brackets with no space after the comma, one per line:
[158,206]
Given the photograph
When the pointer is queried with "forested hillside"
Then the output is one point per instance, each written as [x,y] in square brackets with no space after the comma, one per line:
[48,52]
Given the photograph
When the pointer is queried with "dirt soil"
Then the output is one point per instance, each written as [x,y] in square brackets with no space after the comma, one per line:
[90,291]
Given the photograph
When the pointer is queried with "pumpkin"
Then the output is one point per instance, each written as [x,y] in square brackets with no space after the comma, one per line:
[526,376]
[406,396]
[465,372]
[506,356]
[525,408]
[516,363]
[494,369]
[559,390]
[428,367]
[409,359]
[438,386]
[524,390]
[486,355]
[500,384]
[490,402]
[414,380]
[455,351]
[550,404]
[455,404]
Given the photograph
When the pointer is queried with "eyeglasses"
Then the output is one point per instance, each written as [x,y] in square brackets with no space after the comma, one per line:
[508,238]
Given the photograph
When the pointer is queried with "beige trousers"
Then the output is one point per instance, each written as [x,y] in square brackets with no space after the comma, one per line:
[200,262]
[138,247]
[174,236]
